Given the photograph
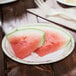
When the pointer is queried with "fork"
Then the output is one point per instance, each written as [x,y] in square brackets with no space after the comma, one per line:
[51,12]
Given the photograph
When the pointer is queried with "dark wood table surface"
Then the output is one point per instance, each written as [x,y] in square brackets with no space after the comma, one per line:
[16,14]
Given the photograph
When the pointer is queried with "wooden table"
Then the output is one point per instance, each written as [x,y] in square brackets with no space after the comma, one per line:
[16,14]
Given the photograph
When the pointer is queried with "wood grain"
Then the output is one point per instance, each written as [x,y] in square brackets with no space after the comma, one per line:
[1,53]
[1,56]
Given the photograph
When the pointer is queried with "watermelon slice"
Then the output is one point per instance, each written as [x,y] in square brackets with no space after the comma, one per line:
[25,41]
[55,39]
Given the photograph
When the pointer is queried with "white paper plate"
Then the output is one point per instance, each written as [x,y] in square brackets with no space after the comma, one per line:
[34,59]
[6,1]
[66,3]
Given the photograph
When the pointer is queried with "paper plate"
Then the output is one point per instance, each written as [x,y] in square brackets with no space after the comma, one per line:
[6,1]
[34,59]
[66,3]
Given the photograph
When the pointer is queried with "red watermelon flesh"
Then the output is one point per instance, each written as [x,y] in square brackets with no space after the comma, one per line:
[24,45]
[53,42]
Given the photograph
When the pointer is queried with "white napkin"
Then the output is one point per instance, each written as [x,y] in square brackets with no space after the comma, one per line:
[6,1]
[11,24]
[71,12]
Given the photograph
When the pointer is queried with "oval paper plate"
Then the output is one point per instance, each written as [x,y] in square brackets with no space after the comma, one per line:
[66,3]
[6,1]
[34,59]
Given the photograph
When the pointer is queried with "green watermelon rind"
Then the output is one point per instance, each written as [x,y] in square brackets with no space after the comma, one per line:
[47,25]
[16,30]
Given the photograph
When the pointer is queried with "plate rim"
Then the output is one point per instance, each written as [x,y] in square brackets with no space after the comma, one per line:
[7,1]
[65,3]
[37,63]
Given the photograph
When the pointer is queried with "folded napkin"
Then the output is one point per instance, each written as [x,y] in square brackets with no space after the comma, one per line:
[67,16]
